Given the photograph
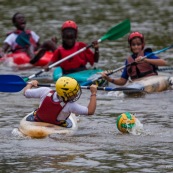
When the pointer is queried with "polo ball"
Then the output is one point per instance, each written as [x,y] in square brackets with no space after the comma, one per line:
[125,122]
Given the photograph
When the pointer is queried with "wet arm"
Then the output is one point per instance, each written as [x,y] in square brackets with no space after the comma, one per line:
[96,53]
[54,59]
[157,62]
[118,81]
[4,49]
[93,102]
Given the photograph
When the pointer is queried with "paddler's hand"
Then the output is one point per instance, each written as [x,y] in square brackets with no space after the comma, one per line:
[54,39]
[95,45]
[46,68]
[93,89]
[33,83]
[140,58]
[105,76]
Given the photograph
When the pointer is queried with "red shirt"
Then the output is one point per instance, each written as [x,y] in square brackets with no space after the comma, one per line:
[77,61]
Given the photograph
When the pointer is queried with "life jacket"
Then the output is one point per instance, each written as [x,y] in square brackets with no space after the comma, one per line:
[23,40]
[140,69]
[49,110]
[76,63]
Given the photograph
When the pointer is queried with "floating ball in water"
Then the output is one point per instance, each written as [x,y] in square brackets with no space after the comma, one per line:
[125,122]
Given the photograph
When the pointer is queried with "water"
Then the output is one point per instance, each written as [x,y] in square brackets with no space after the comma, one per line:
[97,146]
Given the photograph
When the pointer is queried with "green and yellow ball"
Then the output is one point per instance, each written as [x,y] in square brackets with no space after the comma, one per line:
[125,122]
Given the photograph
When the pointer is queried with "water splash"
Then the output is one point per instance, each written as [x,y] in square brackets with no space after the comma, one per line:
[115,94]
[17,133]
[137,129]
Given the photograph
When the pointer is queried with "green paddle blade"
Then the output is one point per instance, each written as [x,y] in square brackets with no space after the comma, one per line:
[117,31]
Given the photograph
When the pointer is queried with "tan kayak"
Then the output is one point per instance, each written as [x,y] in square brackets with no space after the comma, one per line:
[41,129]
[151,84]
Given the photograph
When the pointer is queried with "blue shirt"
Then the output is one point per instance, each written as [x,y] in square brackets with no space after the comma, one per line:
[125,74]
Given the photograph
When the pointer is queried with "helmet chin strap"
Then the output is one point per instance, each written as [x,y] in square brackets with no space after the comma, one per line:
[60,98]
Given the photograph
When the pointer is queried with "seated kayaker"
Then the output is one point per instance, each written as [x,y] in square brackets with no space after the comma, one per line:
[69,31]
[136,66]
[57,105]
[22,40]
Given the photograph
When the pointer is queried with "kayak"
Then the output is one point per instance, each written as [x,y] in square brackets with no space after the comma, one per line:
[150,84]
[18,59]
[81,76]
[42,129]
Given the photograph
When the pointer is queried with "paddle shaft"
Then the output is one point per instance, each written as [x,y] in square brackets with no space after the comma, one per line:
[166,69]
[82,87]
[59,62]
[99,88]
[14,83]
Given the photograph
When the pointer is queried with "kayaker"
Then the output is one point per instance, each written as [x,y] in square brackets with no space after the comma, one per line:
[22,40]
[69,31]
[138,66]
[57,105]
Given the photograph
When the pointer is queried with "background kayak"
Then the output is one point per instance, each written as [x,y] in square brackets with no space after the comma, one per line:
[150,84]
[81,76]
[18,59]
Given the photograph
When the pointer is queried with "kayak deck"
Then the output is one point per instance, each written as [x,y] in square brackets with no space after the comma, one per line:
[42,129]
[81,76]
[150,84]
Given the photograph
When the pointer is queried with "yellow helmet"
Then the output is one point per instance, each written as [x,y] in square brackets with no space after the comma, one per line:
[68,89]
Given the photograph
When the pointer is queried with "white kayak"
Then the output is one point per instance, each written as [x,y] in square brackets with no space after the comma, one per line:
[42,129]
[150,84]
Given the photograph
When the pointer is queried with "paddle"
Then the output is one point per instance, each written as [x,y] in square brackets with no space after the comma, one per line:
[113,33]
[169,69]
[122,67]
[14,83]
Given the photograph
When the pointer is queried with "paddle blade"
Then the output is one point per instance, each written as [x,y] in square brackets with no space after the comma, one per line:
[11,83]
[117,31]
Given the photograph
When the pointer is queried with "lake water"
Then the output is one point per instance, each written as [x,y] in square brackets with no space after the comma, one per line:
[97,146]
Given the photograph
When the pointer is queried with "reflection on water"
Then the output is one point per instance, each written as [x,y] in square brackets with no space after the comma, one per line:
[97,146]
